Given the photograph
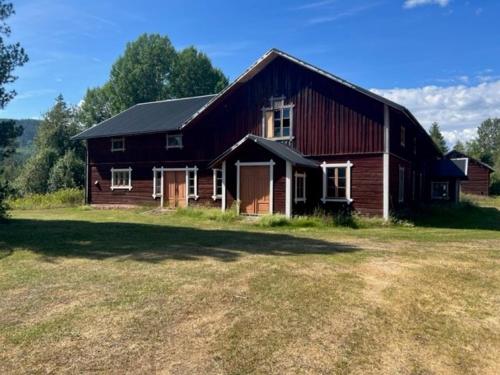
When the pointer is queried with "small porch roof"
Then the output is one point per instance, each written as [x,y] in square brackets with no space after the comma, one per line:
[450,168]
[279,149]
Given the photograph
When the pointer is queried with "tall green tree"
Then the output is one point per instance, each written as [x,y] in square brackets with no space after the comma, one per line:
[488,140]
[11,56]
[193,74]
[52,142]
[142,73]
[437,137]
[459,146]
[151,69]
[96,106]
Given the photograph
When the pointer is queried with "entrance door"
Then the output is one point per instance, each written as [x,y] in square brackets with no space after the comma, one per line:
[254,190]
[175,188]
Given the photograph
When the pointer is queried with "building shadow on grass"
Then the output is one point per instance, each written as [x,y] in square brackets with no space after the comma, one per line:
[151,243]
[458,216]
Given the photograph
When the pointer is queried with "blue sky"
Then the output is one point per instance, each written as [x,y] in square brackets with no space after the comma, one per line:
[441,58]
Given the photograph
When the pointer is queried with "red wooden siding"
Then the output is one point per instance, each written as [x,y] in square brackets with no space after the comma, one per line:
[479,179]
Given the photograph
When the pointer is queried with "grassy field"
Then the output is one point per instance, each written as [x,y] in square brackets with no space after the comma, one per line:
[108,291]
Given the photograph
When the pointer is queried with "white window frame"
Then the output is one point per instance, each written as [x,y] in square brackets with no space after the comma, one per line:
[348,165]
[121,187]
[272,107]
[447,189]
[155,181]
[296,197]
[195,195]
[402,135]
[270,164]
[216,196]
[172,135]
[115,139]
[401,186]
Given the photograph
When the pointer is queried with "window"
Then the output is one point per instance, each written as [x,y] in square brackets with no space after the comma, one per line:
[300,187]
[413,185]
[278,120]
[174,140]
[414,145]
[121,178]
[117,144]
[401,191]
[157,183]
[403,136]
[440,190]
[192,182]
[218,182]
[336,182]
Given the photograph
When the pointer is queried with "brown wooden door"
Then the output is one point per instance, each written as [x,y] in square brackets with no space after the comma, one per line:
[175,189]
[254,190]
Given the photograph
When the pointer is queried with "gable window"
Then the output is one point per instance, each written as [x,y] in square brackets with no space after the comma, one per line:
[336,182]
[117,144]
[440,190]
[401,190]
[300,187]
[174,140]
[218,181]
[403,136]
[121,178]
[192,183]
[414,145]
[278,119]
[157,190]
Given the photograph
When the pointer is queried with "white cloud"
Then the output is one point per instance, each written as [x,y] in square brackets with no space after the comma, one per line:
[458,109]
[409,4]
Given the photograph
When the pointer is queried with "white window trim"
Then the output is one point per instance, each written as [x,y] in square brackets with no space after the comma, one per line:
[121,187]
[216,196]
[173,135]
[113,139]
[297,176]
[401,197]
[269,163]
[155,170]
[347,165]
[272,108]
[447,189]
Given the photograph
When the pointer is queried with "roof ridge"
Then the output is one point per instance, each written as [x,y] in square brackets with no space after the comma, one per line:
[176,99]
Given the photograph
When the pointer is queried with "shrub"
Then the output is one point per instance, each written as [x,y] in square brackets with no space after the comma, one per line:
[61,198]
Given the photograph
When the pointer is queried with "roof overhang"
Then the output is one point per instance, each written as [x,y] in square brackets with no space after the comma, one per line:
[280,150]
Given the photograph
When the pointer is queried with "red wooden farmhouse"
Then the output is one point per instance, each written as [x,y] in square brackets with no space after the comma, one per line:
[285,137]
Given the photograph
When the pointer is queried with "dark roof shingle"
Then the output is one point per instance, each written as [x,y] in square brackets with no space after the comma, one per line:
[151,117]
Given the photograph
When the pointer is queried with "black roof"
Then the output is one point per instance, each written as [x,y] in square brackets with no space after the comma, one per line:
[165,115]
[455,168]
[279,149]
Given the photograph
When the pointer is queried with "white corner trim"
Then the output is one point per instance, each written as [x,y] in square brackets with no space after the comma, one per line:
[385,181]
[121,187]
[224,195]
[303,176]
[288,190]
[348,165]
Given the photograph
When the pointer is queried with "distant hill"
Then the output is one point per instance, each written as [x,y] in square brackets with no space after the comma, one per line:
[30,127]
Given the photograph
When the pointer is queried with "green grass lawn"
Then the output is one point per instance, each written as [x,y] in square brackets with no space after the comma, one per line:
[84,290]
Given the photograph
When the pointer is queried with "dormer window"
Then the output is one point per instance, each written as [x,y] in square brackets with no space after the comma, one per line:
[174,140]
[117,144]
[278,119]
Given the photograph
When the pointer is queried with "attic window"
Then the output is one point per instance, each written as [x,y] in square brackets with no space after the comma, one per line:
[403,136]
[174,140]
[117,144]
[278,119]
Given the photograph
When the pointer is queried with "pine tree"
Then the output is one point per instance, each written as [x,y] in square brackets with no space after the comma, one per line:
[438,138]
